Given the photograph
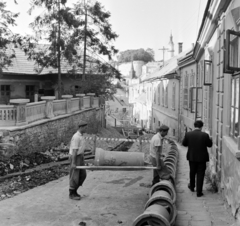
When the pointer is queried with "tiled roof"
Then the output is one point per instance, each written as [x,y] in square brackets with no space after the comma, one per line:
[21,65]
[169,67]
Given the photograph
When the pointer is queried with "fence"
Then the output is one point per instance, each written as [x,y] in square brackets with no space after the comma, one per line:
[21,112]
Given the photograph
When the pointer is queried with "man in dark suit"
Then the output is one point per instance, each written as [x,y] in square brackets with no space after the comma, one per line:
[197,155]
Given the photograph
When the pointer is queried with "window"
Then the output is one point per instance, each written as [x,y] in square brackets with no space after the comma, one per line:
[173,96]
[155,95]
[162,94]
[5,94]
[232,61]
[30,90]
[166,96]
[196,95]
[234,127]
[185,92]
[159,94]
[199,102]
[207,72]
[193,95]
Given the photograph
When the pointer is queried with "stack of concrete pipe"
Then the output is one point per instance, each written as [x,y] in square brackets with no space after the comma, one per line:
[160,209]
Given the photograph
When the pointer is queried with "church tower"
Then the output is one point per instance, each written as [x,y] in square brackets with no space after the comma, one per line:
[171,46]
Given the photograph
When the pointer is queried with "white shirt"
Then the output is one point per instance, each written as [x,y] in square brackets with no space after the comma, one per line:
[156,142]
[77,142]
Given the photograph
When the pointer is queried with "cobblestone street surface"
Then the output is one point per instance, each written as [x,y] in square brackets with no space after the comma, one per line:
[110,198]
[208,210]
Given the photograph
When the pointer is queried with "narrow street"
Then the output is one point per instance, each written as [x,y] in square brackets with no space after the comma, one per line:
[110,198]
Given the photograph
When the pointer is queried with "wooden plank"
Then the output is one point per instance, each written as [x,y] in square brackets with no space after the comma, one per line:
[124,168]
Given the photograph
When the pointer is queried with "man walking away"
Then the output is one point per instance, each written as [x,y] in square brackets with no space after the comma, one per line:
[156,144]
[197,155]
[76,152]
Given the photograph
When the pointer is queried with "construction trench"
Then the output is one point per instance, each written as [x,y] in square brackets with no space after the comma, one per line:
[160,209]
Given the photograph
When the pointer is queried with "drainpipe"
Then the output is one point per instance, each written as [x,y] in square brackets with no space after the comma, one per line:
[197,81]
[179,101]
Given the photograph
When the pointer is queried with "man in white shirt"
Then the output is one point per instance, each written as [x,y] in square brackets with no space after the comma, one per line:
[156,145]
[76,156]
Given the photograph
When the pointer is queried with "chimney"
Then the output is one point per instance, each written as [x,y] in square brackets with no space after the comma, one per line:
[180,47]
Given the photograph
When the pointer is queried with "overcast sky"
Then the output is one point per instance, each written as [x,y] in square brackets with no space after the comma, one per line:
[140,23]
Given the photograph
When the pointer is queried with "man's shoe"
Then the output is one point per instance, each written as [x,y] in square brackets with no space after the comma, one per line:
[200,195]
[77,194]
[73,195]
[192,189]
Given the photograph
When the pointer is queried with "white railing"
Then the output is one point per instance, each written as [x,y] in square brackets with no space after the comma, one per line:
[35,111]
[75,104]
[21,113]
[87,102]
[95,102]
[7,115]
[59,107]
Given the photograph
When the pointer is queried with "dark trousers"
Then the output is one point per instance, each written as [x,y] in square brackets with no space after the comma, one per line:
[197,169]
[162,173]
[77,176]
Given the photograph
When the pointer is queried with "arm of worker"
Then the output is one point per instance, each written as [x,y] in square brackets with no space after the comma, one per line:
[74,159]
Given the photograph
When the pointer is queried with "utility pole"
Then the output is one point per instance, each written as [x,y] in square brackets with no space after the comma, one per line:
[85,42]
[59,54]
[163,49]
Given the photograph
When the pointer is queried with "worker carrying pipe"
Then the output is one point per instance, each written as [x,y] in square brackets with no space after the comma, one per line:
[156,156]
[76,156]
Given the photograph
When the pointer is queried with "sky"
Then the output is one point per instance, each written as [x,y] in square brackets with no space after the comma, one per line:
[139,23]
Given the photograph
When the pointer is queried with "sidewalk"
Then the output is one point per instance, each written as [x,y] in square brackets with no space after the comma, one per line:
[208,210]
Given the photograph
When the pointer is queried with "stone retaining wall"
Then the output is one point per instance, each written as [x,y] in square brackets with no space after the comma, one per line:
[40,136]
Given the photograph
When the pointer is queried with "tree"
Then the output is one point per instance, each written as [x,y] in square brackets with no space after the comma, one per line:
[151,52]
[64,30]
[138,54]
[7,18]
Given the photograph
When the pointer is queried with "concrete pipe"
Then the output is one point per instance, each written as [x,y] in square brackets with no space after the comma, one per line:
[154,215]
[118,158]
[164,185]
[169,164]
[164,199]
[172,152]
[171,159]
[172,170]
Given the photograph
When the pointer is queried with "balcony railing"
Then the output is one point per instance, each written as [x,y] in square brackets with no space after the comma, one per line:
[7,115]
[21,112]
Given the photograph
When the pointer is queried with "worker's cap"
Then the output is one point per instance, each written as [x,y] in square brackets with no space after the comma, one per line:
[163,128]
[82,124]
